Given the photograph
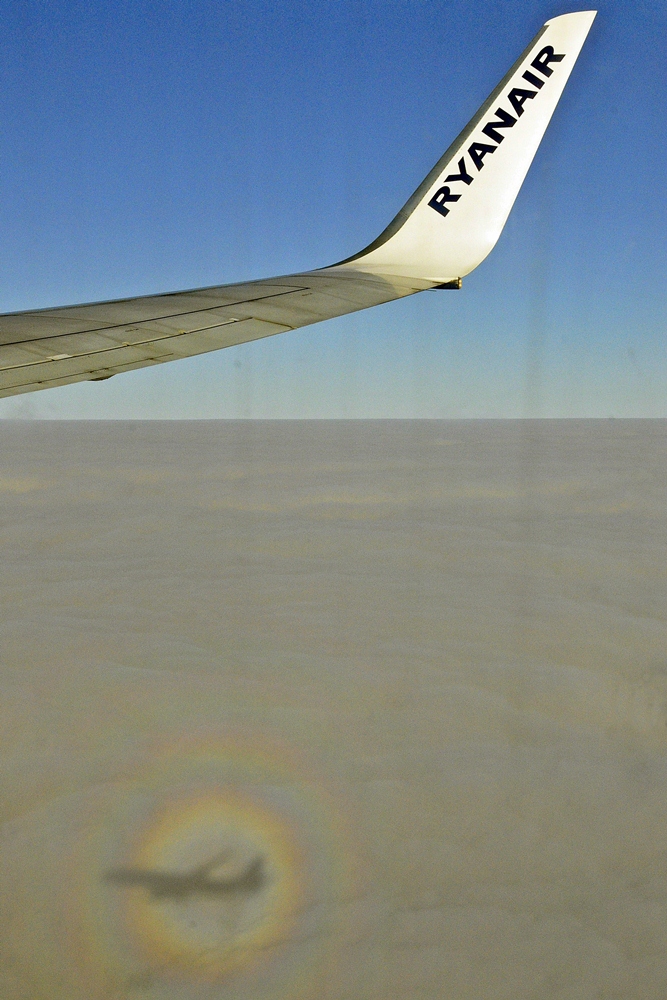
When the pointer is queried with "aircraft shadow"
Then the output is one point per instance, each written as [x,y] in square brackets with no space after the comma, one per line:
[176,886]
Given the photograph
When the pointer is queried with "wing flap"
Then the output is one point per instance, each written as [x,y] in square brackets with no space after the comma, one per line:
[104,358]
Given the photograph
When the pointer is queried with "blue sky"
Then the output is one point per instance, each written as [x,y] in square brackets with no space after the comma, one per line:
[157,146]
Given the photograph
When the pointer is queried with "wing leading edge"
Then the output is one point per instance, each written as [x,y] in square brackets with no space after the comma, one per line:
[446,229]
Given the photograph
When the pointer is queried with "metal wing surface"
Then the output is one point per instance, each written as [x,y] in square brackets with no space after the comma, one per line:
[50,347]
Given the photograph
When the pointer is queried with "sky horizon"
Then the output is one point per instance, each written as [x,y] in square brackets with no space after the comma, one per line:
[177,146]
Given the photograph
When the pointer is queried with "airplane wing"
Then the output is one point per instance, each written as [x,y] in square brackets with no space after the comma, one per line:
[448,226]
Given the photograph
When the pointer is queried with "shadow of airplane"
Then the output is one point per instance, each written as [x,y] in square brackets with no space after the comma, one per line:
[172,885]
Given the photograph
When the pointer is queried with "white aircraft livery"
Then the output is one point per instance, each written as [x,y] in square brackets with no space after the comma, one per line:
[448,226]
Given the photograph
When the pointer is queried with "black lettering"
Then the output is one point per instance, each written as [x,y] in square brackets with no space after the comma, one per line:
[439,199]
[518,98]
[478,151]
[543,58]
[506,120]
[462,175]
[535,80]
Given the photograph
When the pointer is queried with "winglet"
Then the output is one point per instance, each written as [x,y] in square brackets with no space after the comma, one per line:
[454,218]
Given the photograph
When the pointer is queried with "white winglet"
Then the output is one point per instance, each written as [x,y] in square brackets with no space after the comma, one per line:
[454,218]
